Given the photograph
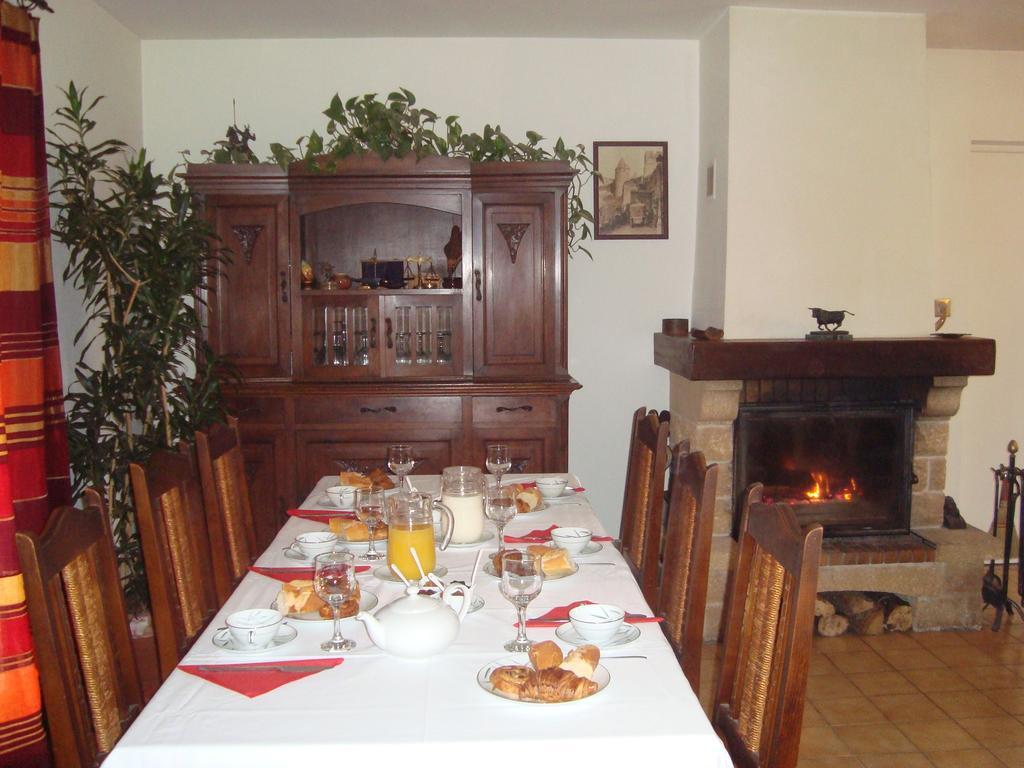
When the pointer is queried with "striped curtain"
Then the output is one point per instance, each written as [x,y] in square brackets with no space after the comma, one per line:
[33,438]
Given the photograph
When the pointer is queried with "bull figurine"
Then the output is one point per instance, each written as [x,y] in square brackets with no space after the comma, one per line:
[829,320]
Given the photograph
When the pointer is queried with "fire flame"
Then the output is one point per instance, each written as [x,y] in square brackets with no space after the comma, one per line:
[821,490]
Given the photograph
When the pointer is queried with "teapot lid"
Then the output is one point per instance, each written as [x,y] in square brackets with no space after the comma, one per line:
[413,602]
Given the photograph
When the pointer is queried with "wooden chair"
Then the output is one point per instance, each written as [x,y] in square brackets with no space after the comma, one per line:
[176,551]
[226,498]
[89,680]
[640,531]
[683,592]
[758,709]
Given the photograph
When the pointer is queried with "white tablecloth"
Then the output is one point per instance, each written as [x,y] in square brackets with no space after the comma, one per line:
[378,708]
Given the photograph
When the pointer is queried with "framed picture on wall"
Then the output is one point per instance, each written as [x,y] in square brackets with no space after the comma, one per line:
[631,190]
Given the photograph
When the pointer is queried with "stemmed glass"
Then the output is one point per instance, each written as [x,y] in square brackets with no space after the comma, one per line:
[370,510]
[498,460]
[500,508]
[400,461]
[334,581]
[521,580]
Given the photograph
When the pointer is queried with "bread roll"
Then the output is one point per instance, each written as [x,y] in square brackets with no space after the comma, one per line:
[527,500]
[545,655]
[298,596]
[555,561]
[353,530]
[515,681]
[582,661]
[354,479]
[379,478]
[496,560]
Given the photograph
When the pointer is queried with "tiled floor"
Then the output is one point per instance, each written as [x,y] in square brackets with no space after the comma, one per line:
[915,700]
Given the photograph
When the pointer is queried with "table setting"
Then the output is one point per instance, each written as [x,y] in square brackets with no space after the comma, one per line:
[451,642]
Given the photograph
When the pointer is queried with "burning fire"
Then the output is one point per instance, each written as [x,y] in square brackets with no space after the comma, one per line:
[821,489]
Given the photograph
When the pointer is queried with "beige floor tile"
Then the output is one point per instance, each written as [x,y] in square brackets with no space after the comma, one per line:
[1010,654]
[964,758]
[854,710]
[834,761]
[893,641]
[994,678]
[879,739]
[961,704]
[938,735]
[908,707]
[995,732]
[861,661]
[1013,757]
[906,660]
[841,644]
[939,639]
[812,718]
[928,680]
[958,657]
[1010,700]
[899,760]
[822,687]
[821,742]
[882,683]
[821,665]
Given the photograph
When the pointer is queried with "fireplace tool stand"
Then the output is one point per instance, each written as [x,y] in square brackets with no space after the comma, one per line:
[995,589]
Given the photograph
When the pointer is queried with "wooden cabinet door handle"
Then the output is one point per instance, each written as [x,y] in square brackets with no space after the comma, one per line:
[476,284]
[509,409]
[284,286]
[387,332]
[373,332]
[368,409]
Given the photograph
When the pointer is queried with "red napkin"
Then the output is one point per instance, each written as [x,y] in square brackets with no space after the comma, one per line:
[248,680]
[287,574]
[541,535]
[321,515]
[533,484]
[556,617]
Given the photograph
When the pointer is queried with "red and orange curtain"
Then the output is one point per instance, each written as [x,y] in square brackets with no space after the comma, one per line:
[33,438]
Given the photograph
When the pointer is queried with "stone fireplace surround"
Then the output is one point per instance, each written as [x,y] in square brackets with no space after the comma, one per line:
[709,380]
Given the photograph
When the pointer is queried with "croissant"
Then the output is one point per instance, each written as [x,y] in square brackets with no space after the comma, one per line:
[562,685]
[515,681]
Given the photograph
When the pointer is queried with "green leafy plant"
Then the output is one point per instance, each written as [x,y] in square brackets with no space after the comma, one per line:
[396,127]
[141,256]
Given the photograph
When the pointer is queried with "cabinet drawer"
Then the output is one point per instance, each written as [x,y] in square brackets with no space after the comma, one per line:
[518,410]
[256,410]
[382,410]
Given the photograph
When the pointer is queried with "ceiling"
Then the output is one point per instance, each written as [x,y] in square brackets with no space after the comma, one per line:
[996,24]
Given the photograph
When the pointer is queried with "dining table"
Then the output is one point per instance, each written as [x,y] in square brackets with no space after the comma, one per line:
[374,708]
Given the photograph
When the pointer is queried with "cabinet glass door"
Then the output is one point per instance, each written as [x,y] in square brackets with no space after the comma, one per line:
[341,338]
[422,334]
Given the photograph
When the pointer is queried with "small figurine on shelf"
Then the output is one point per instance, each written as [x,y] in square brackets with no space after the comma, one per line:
[327,270]
[453,258]
[431,279]
[411,280]
[307,275]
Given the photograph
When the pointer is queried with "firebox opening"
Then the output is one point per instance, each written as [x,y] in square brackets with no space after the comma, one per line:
[846,467]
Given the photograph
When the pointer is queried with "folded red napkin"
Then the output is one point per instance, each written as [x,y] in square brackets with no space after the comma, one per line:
[533,484]
[541,535]
[255,679]
[556,617]
[321,515]
[287,574]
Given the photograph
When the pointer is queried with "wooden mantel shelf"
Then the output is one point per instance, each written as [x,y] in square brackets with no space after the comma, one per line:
[799,359]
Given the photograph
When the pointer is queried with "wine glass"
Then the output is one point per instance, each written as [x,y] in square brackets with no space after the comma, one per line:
[498,460]
[500,508]
[400,461]
[370,510]
[334,581]
[521,580]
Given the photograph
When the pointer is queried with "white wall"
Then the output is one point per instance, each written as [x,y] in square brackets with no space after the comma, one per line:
[978,245]
[582,90]
[82,42]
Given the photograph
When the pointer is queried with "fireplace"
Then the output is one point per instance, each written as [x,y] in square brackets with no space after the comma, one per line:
[848,467]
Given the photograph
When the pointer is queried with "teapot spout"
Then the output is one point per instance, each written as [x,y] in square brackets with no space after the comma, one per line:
[373,628]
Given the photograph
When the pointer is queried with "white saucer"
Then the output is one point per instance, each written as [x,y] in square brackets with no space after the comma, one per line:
[601,677]
[625,635]
[325,501]
[592,548]
[486,536]
[567,496]
[367,602]
[384,573]
[539,508]
[223,640]
[489,570]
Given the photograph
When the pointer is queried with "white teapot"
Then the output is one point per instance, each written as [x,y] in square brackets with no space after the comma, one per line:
[416,626]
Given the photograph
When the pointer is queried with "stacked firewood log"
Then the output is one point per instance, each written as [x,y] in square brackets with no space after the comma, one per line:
[865,613]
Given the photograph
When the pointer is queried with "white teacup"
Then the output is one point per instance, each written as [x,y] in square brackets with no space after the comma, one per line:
[316,543]
[342,495]
[551,487]
[597,623]
[253,628]
[572,540]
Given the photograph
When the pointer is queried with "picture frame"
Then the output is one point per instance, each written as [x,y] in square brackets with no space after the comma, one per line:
[630,190]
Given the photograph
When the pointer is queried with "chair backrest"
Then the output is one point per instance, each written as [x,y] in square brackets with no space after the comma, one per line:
[89,680]
[640,530]
[226,498]
[683,591]
[759,705]
[176,551]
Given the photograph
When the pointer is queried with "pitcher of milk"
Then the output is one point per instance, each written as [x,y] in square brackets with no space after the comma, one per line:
[462,491]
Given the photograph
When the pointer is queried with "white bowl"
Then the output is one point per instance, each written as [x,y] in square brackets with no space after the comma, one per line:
[572,540]
[597,623]
[551,487]
[316,543]
[342,495]
[253,628]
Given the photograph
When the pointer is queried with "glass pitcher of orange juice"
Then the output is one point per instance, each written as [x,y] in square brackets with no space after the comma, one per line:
[411,527]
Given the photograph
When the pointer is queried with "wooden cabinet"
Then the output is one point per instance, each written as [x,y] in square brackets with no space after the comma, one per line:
[332,377]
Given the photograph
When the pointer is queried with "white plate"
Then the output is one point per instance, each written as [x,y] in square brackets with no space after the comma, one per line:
[601,677]
[367,602]
[489,569]
[567,496]
[592,548]
[384,573]
[223,640]
[486,536]
[539,508]
[626,634]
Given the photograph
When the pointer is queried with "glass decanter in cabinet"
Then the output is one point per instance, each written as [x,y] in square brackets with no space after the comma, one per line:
[422,334]
[340,337]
